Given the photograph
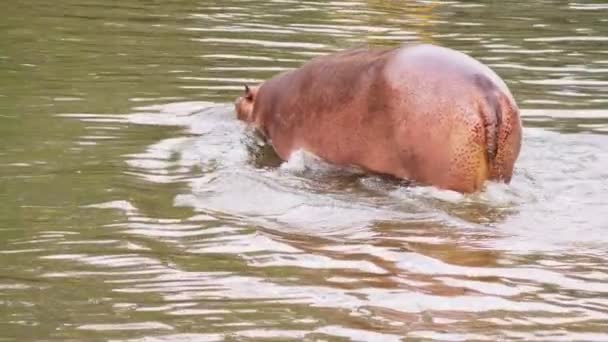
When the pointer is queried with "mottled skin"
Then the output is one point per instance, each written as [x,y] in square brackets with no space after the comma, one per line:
[423,113]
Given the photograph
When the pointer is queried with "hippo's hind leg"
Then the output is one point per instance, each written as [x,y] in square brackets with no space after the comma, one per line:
[508,141]
[484,146]
[468,166]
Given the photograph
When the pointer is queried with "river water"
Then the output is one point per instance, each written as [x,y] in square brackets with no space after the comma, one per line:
[136,208]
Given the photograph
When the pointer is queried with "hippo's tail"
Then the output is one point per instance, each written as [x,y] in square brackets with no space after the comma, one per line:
[503,135]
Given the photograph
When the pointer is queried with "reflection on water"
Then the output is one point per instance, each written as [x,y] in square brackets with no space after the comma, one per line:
[138,209]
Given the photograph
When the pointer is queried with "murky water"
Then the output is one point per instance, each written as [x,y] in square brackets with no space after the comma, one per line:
[136,208]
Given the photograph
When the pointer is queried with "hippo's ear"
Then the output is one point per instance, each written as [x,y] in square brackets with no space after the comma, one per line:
[248,93]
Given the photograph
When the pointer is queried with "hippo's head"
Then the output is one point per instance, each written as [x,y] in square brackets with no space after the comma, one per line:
[244,104]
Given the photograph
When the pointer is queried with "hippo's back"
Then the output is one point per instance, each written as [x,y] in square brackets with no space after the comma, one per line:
[438,69]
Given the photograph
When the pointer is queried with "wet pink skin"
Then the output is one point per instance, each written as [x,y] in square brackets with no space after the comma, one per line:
[424,113]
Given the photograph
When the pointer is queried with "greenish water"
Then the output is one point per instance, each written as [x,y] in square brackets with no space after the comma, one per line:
[135,207]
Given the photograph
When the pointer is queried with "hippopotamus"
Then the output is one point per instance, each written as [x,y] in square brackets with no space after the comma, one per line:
[423,113]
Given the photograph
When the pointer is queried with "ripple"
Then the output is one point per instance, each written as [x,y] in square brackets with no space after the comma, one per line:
[567,82]
[568,39]
[126,326]
[265,43]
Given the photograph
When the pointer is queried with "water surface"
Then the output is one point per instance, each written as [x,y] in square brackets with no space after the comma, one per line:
[136,208]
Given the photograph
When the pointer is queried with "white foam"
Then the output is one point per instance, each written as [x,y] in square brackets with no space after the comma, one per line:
[301,160]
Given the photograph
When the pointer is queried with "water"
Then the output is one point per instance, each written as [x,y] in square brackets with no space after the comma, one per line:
[136,208]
